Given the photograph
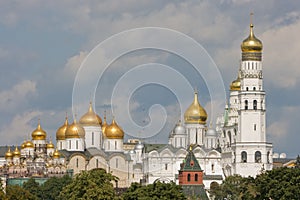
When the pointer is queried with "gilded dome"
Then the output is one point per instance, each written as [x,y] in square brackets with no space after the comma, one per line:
[56,154]
[104,126]
[29,144]
[17,152]
[39,133]
[236,84]
[195,114]
[50,145]
[8,154]
[75,131]
[90,118]
[113,131]
[61,131]
[23,145]
[251,43]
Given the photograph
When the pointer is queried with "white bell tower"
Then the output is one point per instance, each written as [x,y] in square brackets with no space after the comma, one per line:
[251,151]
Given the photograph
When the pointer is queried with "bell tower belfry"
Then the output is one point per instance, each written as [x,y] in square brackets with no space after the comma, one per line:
[251,150]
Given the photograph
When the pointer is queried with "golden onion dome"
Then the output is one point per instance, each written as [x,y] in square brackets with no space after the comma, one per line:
[8,154]
[236,85]
[56,154]
[50,145]
[17,152]
[113,131]
[29,144]
[61,131]
[104,126]
[23,145]
[90,118]
[39,133]
[75,131]
[251,43]
[195,114]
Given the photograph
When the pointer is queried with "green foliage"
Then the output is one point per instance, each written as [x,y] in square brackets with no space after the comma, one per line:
[15,192]
[277,184]
[93,184]
[53,186]
[281,183]
[33,187]
[154,191]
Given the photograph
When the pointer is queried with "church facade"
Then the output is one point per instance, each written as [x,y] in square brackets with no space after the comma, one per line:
[237,145]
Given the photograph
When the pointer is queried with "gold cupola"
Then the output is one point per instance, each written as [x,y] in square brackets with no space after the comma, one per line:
[251,43]
[90,118]
[29,144]
[251,47]
[113,131]
[23,145]
[56,154]
[39,133]
[61,131]
[9,154]
[50,145]
[75,130]
[236,84]
[104,125]
[17,152]
[195,114]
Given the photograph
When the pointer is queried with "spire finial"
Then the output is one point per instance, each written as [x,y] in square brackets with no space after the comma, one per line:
[251,18]
[39,123]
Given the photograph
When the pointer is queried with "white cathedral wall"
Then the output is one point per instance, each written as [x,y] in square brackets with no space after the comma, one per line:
[61,144]
[77,163]
[121,168]
[75,144]
[195,133]
[113,144]
[97,162]
[93,135]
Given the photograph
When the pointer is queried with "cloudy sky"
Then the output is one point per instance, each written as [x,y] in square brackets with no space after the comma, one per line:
[43,44]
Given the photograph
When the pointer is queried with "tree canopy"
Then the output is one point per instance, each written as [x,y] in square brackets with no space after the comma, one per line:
[277,184]
[93,184]
[154,191]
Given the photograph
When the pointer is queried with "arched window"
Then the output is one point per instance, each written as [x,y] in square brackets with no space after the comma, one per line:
[268,157]
[257,156]
[117,162]
[246,104]
[92,138]
[229,137]
[244,156]
[97,163]
[255,104]
[116,144]
[196,177]
[247,88]
[70,144]
[254,88]
[76,144]
[189,177]
[77,162]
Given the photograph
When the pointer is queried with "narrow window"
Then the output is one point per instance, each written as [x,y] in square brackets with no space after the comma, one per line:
[247,88]
[254,88]
[196,177]
[77,162]
[244,157]
[255,104]
[257,156]
[246,104]
[70,144]
[97,163]
[60,145]
[116,145]
[76,144]
[268,157]
[212,168]
[255,127]
[166,166]
[92,138]
[189,177]
[117,162]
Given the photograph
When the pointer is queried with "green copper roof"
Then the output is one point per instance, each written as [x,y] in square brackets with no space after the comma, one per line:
[190,163]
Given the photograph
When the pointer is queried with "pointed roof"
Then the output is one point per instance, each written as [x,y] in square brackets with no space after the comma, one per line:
[190,163]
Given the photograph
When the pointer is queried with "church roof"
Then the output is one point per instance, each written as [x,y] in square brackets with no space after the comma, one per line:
[190,163]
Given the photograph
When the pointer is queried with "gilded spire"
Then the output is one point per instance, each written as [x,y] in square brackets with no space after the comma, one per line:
[195,114]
